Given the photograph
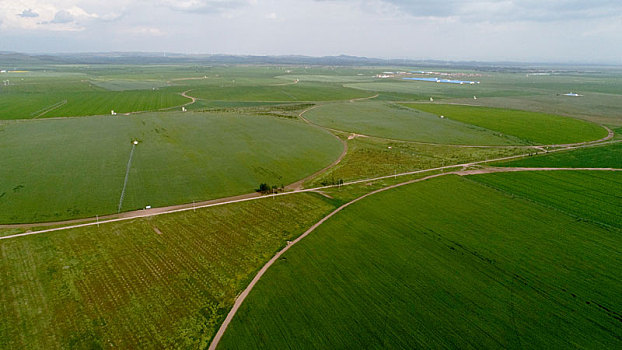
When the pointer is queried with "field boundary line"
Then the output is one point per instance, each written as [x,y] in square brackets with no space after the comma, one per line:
[254,195]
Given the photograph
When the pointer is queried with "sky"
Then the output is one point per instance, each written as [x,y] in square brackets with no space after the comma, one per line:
[562,31]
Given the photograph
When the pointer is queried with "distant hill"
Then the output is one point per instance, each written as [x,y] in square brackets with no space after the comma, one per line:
[14,60]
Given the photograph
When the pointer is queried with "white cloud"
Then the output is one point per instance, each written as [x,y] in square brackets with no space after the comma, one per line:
[28,13]
[449,29]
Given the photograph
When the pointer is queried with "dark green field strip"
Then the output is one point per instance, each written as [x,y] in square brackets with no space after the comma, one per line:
[589,195]
[154,283]
[609,156]
[443,263]
[531,127]
[85,103]
[53,170]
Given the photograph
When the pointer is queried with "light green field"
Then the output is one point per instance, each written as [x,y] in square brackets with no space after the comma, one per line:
[84,103]
[593,196]
[303,91]
[443,263]
[59,169]
[608,156]
[124,285]
[396,122]
[597,107]
[325,78]
[370,157]
[436,90]
[532,128]
[125,85]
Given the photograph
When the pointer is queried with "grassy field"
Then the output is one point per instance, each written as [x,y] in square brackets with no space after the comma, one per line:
[591,195]
[49,171]
[68,96]
[397,122]
[161,282]
[444,263]
[609,156]
[303,91]
[371,157]
[530,127]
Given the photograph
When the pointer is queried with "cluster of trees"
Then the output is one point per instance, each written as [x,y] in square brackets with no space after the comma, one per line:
[332,181]
[264,188]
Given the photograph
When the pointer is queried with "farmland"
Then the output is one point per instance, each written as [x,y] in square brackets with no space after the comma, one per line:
[396,122]
[472,266]
[370,157]
[590,196]
[158,282]
[530,127]
[514,260]
[608,156]
[49,172]
[44,97]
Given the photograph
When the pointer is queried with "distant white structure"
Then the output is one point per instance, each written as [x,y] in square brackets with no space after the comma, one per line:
[148,207]
[573,94]
[431,99]
[3,71]
[475,97]
[183,109]
[112,112]
[442,117]
[135,142]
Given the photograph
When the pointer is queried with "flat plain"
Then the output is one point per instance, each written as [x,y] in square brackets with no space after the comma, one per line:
[469,267]
[514,260]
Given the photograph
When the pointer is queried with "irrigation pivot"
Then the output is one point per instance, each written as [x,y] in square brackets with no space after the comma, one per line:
[127,173]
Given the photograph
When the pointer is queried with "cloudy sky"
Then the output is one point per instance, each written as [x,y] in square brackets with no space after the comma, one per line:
[512,30]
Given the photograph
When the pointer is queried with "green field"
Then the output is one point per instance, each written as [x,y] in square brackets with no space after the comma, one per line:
[396,122]
[126,85]
[44,96]
[370,157]
[530,127]
[160,282]
[608,156]
[444,263]
[507,260]
[303,91]
[590,195]
[58,169]
[426,90]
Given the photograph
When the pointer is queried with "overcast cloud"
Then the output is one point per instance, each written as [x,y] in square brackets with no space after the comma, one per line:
[512,30]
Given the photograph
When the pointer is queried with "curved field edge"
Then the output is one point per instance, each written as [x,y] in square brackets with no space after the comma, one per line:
[175,161]
[471,266]
[531,127]
[393,121]
[158,282]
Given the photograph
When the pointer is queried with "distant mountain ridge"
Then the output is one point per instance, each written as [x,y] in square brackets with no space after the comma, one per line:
[9,59]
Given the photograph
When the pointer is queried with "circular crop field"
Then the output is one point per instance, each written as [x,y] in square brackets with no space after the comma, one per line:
[59,169]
